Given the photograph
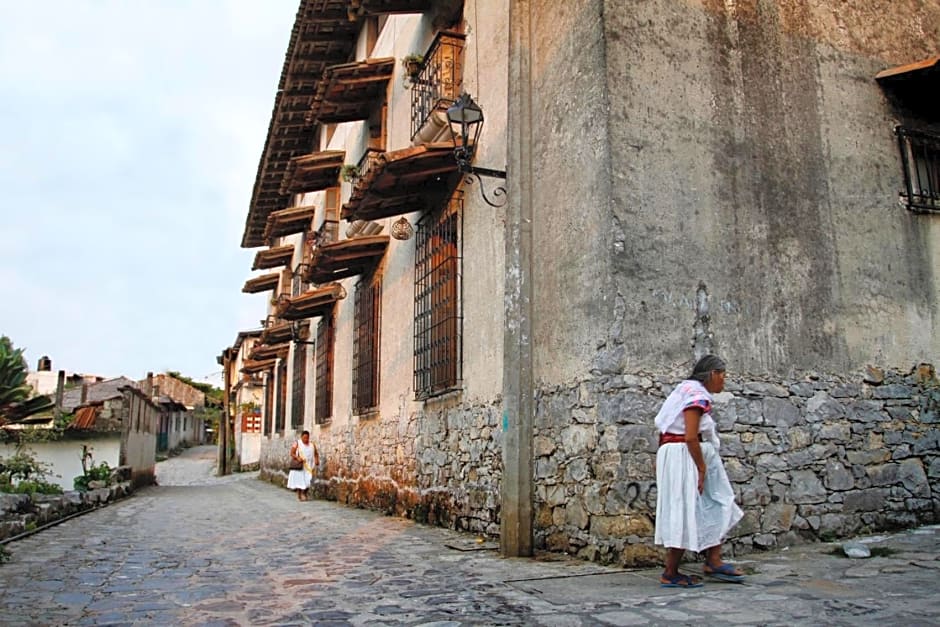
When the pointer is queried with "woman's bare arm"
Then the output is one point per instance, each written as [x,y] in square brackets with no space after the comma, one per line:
[692,417]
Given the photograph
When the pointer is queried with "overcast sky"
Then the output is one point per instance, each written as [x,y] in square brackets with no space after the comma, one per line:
[130,134]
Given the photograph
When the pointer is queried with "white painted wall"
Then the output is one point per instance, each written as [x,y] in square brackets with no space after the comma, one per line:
[65,456]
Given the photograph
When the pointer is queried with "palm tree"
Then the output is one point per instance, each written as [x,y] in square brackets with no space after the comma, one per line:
[15,401]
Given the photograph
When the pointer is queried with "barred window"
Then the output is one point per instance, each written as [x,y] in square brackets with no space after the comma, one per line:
[920,156]
[299,382]
[281,395]
[270,427]
[438,308]
[365,375]
[324,404]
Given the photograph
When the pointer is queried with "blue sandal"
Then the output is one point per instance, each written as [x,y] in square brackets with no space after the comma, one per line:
[679,581]
[725,572]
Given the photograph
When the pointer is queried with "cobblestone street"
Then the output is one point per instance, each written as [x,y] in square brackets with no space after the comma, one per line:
[237,551]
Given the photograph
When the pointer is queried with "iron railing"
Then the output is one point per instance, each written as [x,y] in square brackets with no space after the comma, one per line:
[440,81]
[366,362]
[327,233]
[368,160]
[920,156]
[438,347]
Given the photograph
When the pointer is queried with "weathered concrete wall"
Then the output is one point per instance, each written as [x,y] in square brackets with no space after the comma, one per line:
[747,204]
[810,457]
[571,182]
[140,419]
[753,156]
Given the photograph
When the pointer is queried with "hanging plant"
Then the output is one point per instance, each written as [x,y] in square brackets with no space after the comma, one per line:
[349,173]
[412,64]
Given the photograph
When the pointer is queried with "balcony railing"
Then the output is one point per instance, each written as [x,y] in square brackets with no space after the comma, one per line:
[368,161]
[327,233]
[440,80]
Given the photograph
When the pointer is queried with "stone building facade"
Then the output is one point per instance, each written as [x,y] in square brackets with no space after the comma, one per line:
[683,177]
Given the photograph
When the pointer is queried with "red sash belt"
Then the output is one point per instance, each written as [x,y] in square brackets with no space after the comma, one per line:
[670,438]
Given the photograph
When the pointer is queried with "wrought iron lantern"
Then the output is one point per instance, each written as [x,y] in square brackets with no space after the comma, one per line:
[296,334]
[466,123]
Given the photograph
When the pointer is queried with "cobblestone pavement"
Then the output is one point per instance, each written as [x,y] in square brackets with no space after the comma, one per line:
[201,550]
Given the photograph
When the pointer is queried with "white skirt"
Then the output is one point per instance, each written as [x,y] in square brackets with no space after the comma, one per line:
[686,519]
[299,480]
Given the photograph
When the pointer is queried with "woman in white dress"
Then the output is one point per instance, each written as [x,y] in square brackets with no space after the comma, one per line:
[305,452]
[695,505]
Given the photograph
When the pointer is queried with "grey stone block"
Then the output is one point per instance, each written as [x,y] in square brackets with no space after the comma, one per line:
[760,388]
[805,487]
[780,412]
[868,500]
[892,390]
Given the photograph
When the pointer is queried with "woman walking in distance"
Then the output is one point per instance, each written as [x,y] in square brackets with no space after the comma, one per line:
[695,505]
[304,458]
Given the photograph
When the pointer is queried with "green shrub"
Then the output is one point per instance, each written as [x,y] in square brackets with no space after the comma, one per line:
[22,467]
[101,472]
[32,487]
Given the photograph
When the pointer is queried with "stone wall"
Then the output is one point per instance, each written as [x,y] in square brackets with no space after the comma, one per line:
[810,458]
[441,466]
[22,513]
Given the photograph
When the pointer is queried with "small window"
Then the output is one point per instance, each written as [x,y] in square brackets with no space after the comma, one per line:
[366,345]
[251,421]
[920,157]
[324,403]
[329,231]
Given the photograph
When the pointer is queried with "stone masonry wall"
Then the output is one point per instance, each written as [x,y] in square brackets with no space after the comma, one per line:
[810,458]
[440,466]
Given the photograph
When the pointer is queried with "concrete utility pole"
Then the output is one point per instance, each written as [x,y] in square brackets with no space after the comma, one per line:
[516,537]
[224,467]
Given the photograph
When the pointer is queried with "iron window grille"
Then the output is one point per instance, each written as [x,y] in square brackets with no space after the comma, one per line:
[323,410]
[366,363]
[440,81]
[299,382]
[281,395]
[438,345]
[920,157]
[270,427]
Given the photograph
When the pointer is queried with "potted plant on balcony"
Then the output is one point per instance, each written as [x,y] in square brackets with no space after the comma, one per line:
[412,64]
[349,173]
